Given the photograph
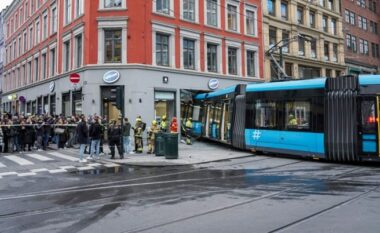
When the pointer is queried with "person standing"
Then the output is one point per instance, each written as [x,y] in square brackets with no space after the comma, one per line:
[82,136]
[95,135]
[114,138]
[163,125]
[138,134]
[189,127]
[152,136]
[174,126]
[127,136]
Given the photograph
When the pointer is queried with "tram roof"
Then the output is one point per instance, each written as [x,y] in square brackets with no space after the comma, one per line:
[288,85]
[220,92]
[369,79]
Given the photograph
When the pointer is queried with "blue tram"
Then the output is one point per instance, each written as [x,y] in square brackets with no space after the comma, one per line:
[335,119]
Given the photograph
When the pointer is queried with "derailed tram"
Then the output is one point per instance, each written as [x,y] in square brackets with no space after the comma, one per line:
[335,119]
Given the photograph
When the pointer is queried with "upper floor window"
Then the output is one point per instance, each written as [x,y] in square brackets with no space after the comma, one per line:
[250,22]
[251,63]
[285,38]
[189,54]
[44,26]
[324,23]
[372,5]
[163,6]
[330,4]
[53,19]
[212,57]
[79,7]
[272,36]
[162,49]
[284,10]
[67,11]
[373,27]
[301,46]
[333,26]
[326,51]
[212,12]
[189,10]
[271,7]
[232,61]
[335,53]
[360,3]
[300,15]
[113,45]
[232,18]
[313,48]
[312,19]
[112,3]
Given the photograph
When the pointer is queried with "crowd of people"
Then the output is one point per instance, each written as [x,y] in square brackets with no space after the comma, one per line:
[19,133]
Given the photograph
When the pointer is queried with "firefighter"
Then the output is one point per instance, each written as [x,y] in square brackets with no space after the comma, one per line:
[188,126]
[164,125]
[152,136]
[174,126]
[139,129]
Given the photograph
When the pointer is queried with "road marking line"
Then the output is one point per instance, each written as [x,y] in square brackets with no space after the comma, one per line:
[27,174]
[94,164]
[2,165]
[8,173]
[57,171]
[85,168]
[62,156]
[18,160]
[39,157]
[40,170]
[67,167]
[111,165]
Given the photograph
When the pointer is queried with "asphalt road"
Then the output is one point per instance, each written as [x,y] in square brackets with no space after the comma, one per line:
[253,194]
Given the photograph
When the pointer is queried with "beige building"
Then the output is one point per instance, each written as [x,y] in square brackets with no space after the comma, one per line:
[318,52]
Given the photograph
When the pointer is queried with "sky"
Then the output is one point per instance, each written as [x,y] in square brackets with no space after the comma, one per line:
[4,3]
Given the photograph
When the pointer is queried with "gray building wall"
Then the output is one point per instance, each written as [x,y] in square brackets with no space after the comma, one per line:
[140,82]
[1,58]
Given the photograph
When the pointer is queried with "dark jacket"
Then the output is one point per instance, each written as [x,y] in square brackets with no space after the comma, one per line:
[114,133]
[95,131]
[82,133]
[127,129]
[29,135]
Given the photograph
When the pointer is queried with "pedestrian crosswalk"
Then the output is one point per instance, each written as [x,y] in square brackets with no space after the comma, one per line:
[53,162]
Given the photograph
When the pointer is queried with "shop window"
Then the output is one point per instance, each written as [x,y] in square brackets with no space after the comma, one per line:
[52,104]
[39,106]
[265,114]
[77,103]
[297,115]
[46,104]
[34,107]
[164,105]
[66,104]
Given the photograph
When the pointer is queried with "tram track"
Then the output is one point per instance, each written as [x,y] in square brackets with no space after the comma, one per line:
[110,200]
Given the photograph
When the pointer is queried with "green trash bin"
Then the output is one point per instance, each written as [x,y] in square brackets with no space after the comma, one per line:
[159,144]
[171,145]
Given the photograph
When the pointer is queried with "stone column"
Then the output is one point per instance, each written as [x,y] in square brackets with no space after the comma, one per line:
[320,48]
[331,52]
[277,8]
[307,16]
[293,12]
[295,70]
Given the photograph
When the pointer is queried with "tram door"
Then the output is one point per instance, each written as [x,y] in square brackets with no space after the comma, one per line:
[369,127]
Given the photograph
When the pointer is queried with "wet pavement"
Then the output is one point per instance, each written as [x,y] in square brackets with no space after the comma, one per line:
[250,194]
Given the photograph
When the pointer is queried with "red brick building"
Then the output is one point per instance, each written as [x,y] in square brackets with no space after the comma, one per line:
[156,49]
[361,29]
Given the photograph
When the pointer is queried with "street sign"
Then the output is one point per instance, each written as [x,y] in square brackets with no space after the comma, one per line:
[74,78]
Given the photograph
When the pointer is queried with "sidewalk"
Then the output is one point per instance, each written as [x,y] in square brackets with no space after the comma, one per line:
[199,152]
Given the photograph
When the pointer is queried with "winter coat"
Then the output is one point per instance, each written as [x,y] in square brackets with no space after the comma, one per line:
[82,133]
[114,133]
[29,135]
[95,131]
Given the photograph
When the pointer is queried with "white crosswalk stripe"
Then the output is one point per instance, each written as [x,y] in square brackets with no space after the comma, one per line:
[63,156]
[40,157]
[111,165]
[18,160]
[2,165]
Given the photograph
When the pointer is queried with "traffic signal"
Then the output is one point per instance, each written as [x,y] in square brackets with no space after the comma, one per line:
[120,97]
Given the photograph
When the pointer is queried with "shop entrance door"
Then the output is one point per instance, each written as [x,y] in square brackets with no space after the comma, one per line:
[109,110]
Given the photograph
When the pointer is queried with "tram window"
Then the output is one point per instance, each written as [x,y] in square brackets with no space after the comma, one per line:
[368,116]
[297,115]
[265,114]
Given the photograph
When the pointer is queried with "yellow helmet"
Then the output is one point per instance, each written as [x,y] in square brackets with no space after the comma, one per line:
[154,122]
[138,119]
[164,117]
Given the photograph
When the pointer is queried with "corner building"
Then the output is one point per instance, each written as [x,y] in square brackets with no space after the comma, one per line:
[320,20]
[159,50]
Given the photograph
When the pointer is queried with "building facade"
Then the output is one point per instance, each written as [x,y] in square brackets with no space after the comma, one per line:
[360,27]
[157,50]
[2,49]
[314,32]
